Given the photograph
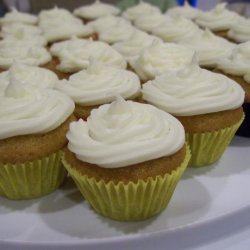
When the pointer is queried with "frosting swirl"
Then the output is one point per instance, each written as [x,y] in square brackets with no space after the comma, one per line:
[75,54]
[98,83]
[96,10]
[193,91]
[159,57]
[124,133]
[29,112]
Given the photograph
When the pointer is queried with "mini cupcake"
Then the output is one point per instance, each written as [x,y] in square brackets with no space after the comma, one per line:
[96,10]
[97,85]
[33,125]
[218,20]
[74,55]
[127,159]
[206,103]
[159,57]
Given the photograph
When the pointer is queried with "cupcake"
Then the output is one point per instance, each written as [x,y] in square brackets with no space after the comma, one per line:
[218,20]
[33,125]
[126,159]
[74,55]
[159,57]
[96,10]
[207,104]
[97,85]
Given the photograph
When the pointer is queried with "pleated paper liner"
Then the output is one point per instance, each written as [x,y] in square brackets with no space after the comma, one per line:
[32,179]
[131,201]
[207,148]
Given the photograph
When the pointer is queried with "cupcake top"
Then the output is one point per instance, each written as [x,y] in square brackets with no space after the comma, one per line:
[149,22]
[217,19]
[239,61]
[54,13]
[239,30]
[11,52]
[124,133]
[186,11]
[209,48]
[158,57]
[96,10]
[75,54]
[247,77]
[193,91]
[98,83]
[29,76]
[25,111]
[14,16]
[134,44]
[175,29]
[142,8]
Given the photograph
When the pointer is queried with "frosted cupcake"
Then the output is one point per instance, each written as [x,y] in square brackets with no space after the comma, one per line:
[218,20]
[74,55]
[142,8]
[127,159]
[14,16]
[207,104]
[159,57]
[33,125]
[96,10]
[209,48]
[97,85]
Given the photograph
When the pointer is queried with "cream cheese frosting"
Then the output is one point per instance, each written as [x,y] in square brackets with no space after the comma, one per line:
[124,133]
[209,48]
[239,30]
[30,112]
[98,83]
[19,52]
[14,16]
[75,54]
[186,11]
[159,57]
[193,91]
[239,61]
[175,29]
[132,47]
[29,76]
[217,19]
[96,10]
[247,77]
[142,8]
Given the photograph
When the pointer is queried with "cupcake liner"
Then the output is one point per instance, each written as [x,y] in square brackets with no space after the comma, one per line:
[130,201]
[207,148]
[244,129]
[32,179]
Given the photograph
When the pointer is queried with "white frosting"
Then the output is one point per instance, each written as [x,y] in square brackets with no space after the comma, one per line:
[29,112]
[159,57]
[75,54]
[193,91]
[239,61]
[142,8]
[29,76]
[132,47]
[217,19]
[54,13]
[18,52]
[15,16]
[149,22]
[239,30]
[96,10]
[209,48]
[99,83]
[124,133]
[176,29]
[186,11]
[247,77]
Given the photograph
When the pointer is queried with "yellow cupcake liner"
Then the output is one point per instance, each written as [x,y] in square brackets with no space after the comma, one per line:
[131,201]
[32,179]
[207,148]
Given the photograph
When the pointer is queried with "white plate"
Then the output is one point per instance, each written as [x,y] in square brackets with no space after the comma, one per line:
[64,220]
